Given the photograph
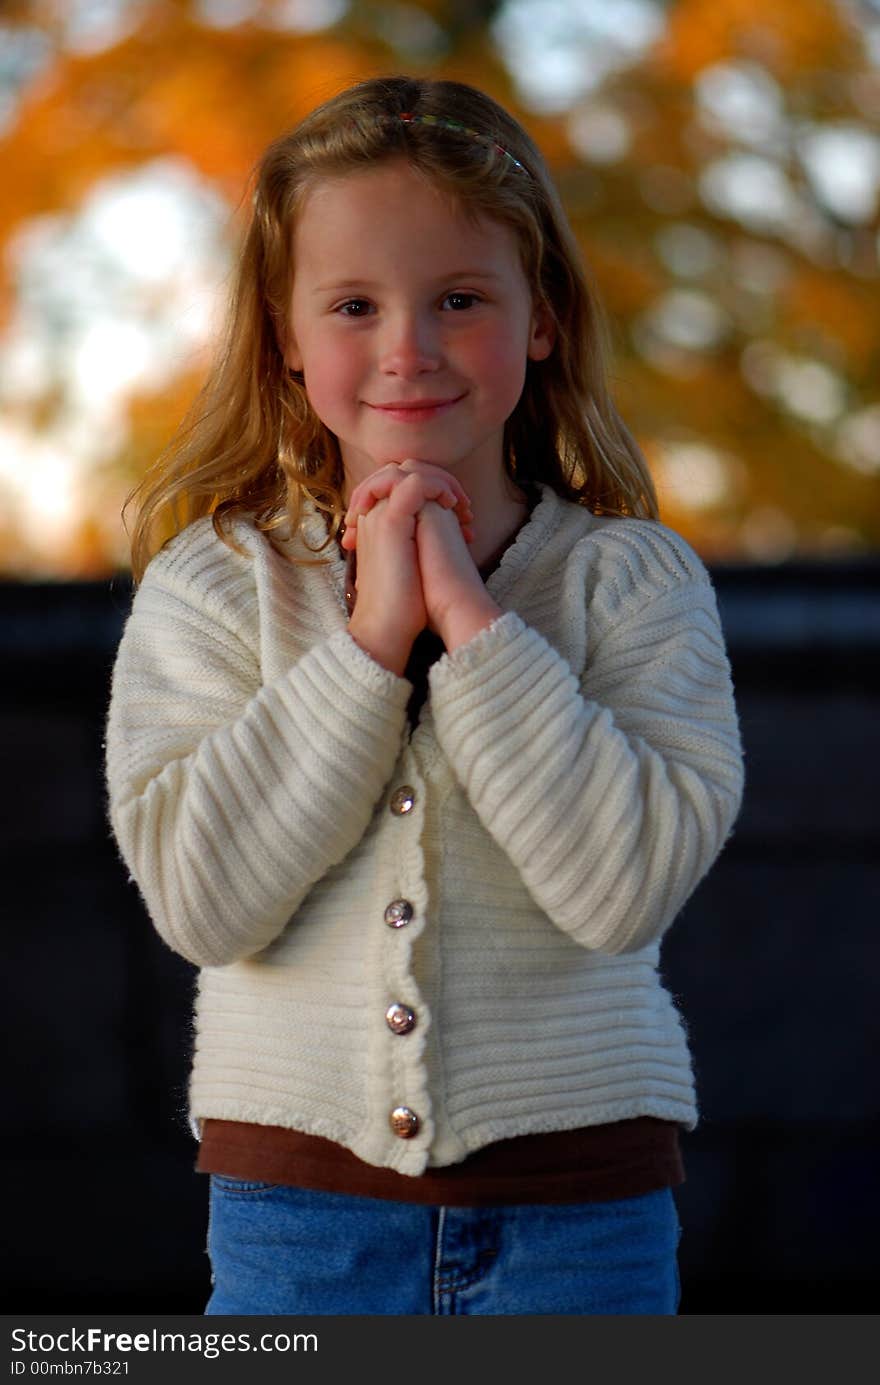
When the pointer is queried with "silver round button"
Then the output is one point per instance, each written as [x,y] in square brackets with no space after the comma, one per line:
[398,913]
[400,1018]
[402,800]
[404,1122]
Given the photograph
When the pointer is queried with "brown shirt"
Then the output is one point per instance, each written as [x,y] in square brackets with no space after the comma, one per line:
[602,1162]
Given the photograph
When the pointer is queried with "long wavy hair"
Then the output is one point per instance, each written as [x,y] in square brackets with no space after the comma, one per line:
[252,443]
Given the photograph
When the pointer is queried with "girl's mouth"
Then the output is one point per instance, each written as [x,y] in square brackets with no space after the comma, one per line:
[415,410]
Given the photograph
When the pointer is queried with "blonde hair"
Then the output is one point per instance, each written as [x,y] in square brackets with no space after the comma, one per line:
[252,443]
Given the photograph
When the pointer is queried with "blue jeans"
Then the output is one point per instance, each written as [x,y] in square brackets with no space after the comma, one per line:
[287,1250]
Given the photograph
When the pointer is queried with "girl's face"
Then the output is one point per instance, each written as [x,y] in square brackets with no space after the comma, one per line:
[411,323]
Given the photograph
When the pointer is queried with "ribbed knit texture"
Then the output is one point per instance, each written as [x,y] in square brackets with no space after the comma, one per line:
[576,771]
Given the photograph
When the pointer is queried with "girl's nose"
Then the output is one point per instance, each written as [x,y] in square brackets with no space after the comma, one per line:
[410,346]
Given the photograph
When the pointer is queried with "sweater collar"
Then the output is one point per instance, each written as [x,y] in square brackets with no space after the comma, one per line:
[515,559]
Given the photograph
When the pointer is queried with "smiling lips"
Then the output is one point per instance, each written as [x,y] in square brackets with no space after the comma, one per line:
[415,410]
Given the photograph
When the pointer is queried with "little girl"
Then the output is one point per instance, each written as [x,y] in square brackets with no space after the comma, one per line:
[421,734]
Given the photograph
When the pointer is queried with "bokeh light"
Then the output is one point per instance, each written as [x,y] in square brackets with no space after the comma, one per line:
[723,178]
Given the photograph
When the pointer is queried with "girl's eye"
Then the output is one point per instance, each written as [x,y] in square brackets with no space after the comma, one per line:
[354,307]
[459,301]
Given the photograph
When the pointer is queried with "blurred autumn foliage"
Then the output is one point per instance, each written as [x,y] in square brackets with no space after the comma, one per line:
[747,337]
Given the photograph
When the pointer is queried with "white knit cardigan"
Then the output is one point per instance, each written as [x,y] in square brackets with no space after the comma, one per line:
[575,773]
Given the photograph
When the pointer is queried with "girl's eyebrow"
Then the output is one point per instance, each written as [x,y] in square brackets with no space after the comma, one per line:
[345,285]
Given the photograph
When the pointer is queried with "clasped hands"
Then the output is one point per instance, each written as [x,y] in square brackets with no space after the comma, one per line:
[411,523]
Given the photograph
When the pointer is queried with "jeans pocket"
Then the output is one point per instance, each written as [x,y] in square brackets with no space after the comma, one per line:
[240,1187]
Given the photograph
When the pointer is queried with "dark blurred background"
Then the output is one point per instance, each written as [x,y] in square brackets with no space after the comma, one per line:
[721,168]
[774,962]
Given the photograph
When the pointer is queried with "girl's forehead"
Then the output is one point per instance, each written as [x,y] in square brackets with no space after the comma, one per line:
[395,203]
[381,192]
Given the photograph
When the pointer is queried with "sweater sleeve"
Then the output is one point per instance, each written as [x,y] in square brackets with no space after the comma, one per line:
[230,798]
[612,794]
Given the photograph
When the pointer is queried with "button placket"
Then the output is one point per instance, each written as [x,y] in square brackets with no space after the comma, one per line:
[404,1055]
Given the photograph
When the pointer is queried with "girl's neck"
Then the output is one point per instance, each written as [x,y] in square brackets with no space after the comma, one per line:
[500,508]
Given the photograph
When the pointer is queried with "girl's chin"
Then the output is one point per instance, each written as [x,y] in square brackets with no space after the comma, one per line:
[358,468]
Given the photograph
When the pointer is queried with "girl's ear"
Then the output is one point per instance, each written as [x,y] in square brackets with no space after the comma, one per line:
[292,357]
[542,333]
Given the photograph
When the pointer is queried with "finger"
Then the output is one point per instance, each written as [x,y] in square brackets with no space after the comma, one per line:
[440,485]
[418,489]
[411,495]
[463,513]
[416,467]
[377,486]
[462,508]
[444,498]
